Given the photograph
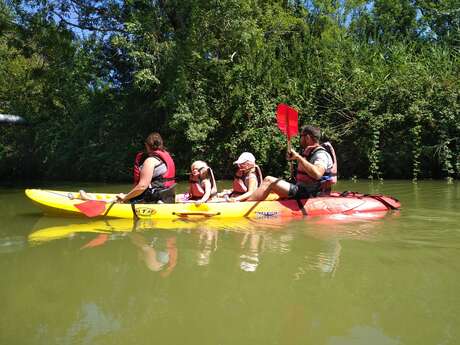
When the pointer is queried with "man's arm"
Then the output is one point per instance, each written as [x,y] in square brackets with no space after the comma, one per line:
[315,171]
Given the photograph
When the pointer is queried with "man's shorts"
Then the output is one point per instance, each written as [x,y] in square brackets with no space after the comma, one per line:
[301,191]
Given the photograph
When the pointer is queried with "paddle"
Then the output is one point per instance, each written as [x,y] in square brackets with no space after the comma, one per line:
[94,208]
[98,241]
[287,119]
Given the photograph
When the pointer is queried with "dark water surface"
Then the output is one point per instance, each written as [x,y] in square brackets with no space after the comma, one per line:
[393,279]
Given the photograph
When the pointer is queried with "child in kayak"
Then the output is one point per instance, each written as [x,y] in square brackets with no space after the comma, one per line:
[202,185]
[247,178]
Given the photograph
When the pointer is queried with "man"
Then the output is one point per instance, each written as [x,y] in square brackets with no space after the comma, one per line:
[315,166]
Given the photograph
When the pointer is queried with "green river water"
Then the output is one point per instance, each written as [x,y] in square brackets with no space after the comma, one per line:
[393,279]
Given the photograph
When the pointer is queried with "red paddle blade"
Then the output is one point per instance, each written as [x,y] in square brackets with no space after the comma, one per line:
[92,208]
[98,241]
[287,119]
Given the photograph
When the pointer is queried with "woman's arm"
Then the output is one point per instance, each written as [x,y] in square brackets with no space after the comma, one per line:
[144,181]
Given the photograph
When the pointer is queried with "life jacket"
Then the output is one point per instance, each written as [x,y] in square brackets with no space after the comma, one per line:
[164,181]
[197,191]
[240,182]
[137,167]
[330,175]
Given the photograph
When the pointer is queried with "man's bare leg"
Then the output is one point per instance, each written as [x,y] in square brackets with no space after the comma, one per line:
[269,185]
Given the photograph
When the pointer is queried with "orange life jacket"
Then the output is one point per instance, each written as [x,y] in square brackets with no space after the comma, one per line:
[196,189]
[330,175]
[240,183]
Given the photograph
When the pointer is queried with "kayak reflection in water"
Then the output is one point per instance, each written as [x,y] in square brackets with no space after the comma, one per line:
[157,256]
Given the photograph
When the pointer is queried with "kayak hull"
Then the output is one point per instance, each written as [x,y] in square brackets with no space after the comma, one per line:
[68,204]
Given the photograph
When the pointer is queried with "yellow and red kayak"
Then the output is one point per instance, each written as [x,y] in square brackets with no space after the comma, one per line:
[67,203]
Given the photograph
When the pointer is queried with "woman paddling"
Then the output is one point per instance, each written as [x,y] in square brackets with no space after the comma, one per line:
[154,174]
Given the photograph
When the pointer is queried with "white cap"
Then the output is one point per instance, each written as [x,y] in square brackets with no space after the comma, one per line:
[245,157]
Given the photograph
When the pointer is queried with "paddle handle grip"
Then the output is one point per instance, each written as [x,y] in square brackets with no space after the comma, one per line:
[291,163]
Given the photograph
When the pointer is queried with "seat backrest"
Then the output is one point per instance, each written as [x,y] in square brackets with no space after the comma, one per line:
[168,195]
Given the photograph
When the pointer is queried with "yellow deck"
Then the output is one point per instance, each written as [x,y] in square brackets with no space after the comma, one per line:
[58,202]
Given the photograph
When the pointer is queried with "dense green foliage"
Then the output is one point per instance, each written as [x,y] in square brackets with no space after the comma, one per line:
[93,78]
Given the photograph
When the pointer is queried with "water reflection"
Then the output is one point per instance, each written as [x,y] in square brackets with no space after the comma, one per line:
[251,244]
[93,323]
[207,244]
[158,254]
[11,244]
[326,260]
[156,242]
[337,280]
[364,335]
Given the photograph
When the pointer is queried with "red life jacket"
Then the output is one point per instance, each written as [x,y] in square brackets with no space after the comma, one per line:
[240,183]
[137,167]
[167,179]
[197,191]
[330,175]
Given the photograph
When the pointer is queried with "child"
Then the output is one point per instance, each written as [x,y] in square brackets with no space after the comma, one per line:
[202,186]
[247,178]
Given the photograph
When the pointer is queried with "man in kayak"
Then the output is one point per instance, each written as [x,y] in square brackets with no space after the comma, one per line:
[315,166]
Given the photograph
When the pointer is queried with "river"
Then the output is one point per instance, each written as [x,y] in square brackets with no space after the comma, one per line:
[390,279]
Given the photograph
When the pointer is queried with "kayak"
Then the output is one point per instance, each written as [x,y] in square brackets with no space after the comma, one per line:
[68,203]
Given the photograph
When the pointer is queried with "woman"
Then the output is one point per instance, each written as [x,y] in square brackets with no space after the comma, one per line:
[154,173]
[247,178]
[202,186]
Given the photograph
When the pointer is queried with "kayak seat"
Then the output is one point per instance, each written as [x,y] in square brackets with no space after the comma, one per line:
[168,195]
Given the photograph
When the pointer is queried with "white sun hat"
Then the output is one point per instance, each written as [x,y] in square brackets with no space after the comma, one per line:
[245,157]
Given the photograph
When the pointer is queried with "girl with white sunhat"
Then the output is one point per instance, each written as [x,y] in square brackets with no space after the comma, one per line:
[247,178]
